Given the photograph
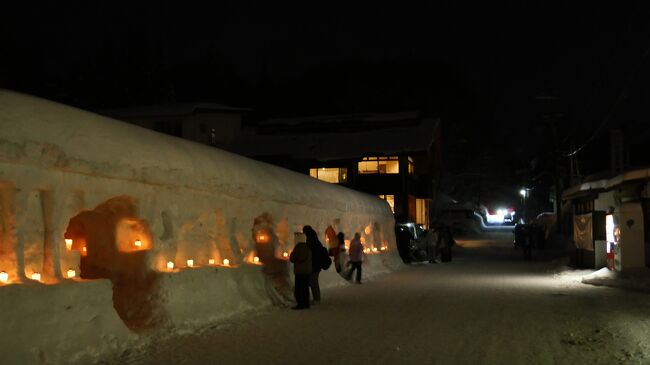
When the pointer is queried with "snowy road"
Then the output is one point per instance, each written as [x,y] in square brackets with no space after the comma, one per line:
[488,306]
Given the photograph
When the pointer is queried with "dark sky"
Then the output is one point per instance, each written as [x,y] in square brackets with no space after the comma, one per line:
[479,67]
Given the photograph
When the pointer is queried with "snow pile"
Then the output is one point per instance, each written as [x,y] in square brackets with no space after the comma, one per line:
[104,185]
[634,279]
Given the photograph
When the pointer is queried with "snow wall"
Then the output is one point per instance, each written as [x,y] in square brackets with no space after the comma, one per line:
[117,204]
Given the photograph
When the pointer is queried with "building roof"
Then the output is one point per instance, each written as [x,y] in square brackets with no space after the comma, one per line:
[166,110]
[339,136]
[595,186]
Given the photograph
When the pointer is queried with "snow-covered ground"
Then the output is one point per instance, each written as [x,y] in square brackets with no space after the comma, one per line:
[488,306]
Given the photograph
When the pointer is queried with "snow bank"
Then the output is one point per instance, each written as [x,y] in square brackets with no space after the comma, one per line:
[131,201]
[634,279]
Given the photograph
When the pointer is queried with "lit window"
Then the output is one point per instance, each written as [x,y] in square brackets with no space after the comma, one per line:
[333,175]
[390,199]
[422,211]
[411,166]
[379,165]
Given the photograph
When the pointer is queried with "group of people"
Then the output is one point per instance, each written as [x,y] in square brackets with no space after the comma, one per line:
[529,236]
[309,257]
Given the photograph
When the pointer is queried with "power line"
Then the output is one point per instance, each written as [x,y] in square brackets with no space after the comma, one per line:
[618,101]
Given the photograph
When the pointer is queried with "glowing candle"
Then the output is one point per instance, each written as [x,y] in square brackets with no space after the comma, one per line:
[383,248]
[170,265]
[285,254]
[68,244]
[226,262]
[374,249]
[262,238]
[211,261]
[138,243]
[190,263]
[4,277]
[71,273]
[256,260]
[36,276]
[84,251]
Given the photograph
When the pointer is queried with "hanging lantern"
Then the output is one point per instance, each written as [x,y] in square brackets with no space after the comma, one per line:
[170,265]
[211,261]
[226,262]
[4,277]
[68,244]
[137,244]
[36,276]
[256,260]
[190,263]
[71,273]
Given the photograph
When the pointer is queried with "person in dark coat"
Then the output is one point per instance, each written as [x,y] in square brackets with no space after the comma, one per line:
[301,259]
[317,250]
[356,257]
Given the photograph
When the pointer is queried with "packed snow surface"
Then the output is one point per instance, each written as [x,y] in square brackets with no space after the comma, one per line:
[487,306]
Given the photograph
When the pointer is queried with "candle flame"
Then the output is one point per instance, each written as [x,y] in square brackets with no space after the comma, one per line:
[68,244]
[36,276]
[211,261]
[285,254]
[71,273]
[4,277]
[138,243]
[190,263]
[256,259]
[226,262]
[170,265]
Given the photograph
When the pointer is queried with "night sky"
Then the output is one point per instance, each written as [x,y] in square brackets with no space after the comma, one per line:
[487,70]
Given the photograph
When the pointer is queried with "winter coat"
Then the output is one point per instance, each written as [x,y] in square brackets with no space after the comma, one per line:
[356,250]
[317,253]
[301,258]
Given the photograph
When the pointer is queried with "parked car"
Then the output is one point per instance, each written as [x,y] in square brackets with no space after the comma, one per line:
[417,244]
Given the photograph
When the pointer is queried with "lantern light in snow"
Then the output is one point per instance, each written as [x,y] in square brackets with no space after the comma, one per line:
[190,263]
[137,243]
[226,262]
[170,265]
[36,276]
[68,244]
[4,277]
[71,273]
[256,260]
[262,237]
[211,261]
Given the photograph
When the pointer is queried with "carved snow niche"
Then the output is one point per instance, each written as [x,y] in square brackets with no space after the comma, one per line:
[107,239]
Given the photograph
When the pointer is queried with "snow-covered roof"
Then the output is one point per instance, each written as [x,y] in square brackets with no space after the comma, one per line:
[606,184]
[331,144]
[170,110]
[47,135]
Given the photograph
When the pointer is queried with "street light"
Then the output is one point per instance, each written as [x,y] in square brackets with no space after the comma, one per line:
[524,194]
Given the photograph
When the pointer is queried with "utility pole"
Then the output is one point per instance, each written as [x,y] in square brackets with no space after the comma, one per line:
[559,186]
